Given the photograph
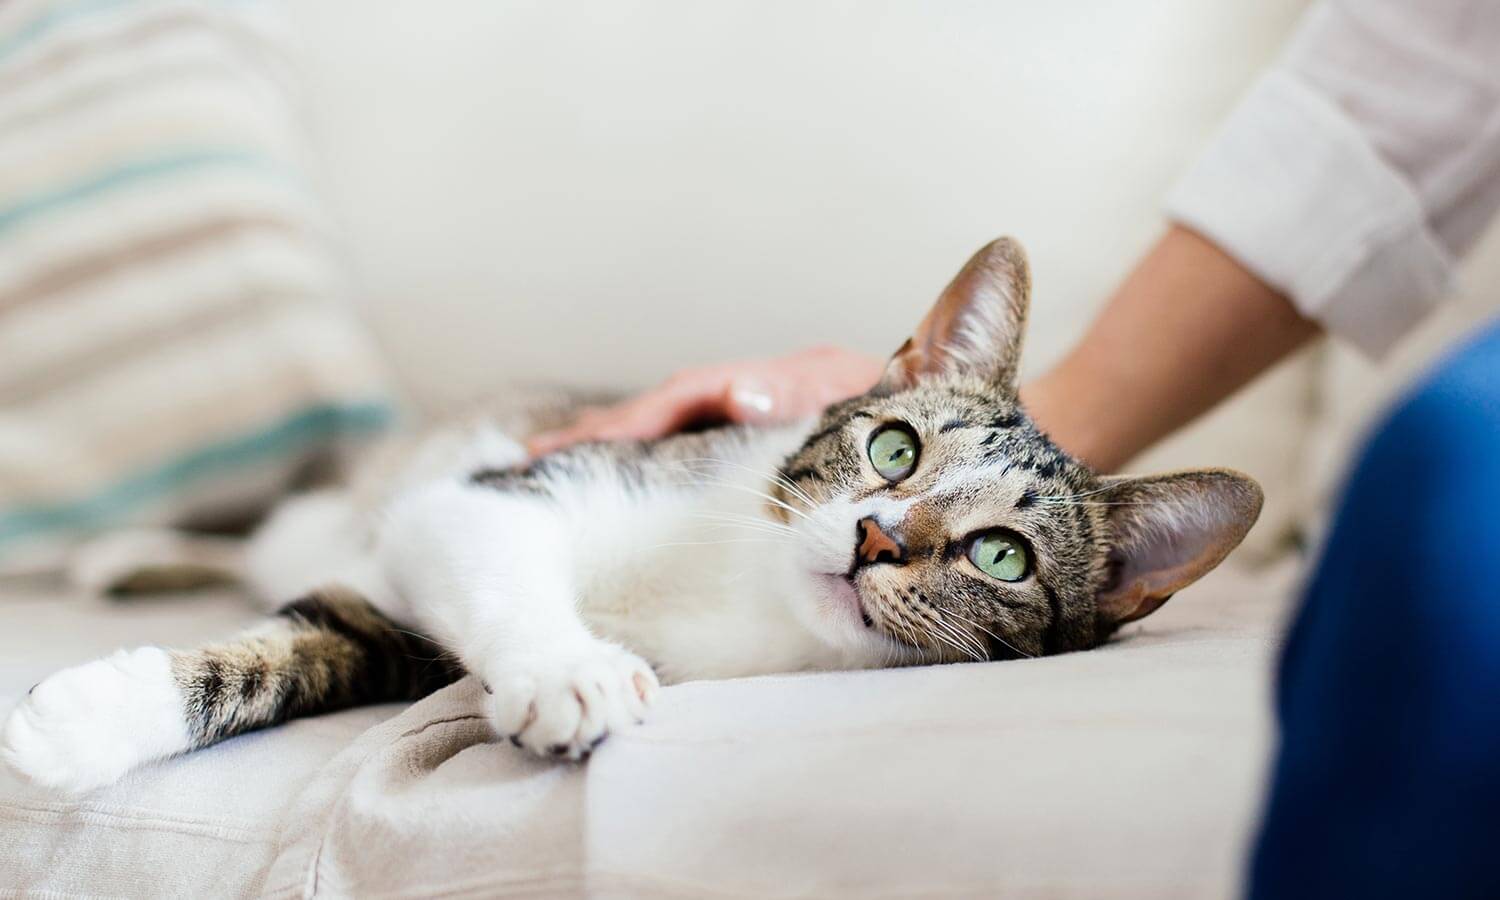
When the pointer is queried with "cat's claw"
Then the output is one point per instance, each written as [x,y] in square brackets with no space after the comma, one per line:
[563,705]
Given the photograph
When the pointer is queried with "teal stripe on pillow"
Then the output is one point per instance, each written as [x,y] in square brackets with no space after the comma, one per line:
[284,439]
[50,19]
[62,14]
[156,167]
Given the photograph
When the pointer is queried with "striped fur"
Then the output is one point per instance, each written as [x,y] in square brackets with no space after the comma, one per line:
[328,651]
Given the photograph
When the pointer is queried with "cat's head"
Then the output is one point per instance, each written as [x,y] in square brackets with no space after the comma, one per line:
[939,523]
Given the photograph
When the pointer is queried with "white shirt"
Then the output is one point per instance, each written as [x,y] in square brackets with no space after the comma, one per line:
[1362,164]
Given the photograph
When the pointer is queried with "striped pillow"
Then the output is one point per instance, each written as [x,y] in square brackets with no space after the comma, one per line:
[171,337]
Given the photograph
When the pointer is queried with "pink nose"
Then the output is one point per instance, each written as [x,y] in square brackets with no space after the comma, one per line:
[875,546]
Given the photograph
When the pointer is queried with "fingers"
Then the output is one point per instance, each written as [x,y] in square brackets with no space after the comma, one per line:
[581,430]
[750,398]
[662,410]
[774,390]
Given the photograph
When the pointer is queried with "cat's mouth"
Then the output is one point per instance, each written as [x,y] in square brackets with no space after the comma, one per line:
[844,595]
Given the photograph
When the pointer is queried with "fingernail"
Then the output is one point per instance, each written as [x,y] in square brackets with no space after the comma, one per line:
[752,397]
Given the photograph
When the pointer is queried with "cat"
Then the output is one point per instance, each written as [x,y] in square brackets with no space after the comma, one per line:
[926,521]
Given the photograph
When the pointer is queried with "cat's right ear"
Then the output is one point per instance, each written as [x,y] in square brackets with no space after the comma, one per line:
[974,328]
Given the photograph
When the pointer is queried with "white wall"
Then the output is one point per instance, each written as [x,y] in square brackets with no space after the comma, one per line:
[601,191]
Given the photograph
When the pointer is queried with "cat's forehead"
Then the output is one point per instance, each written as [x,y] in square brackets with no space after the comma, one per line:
[947,406]
[983,463]
[983,438]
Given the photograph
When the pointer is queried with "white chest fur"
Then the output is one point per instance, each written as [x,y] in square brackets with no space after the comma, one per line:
[682,572]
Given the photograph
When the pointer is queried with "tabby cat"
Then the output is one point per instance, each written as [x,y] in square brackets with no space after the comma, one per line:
[926,521]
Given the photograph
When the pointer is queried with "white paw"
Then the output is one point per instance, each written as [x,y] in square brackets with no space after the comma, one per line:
[86,726]
[564,703]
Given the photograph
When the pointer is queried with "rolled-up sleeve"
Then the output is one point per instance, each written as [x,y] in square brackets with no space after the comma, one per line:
[1361,165]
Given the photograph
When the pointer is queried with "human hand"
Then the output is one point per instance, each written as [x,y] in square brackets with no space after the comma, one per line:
[761,391]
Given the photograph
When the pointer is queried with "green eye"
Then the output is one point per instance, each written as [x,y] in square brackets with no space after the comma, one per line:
[1000,554]
[893,452]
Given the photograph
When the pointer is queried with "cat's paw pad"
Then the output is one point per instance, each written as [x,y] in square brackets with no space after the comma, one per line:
[86,726]
[564,705]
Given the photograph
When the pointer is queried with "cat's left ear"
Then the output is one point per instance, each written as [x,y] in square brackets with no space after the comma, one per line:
[1167,531]
[975,327]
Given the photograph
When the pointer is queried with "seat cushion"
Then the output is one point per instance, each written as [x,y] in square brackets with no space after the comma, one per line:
[1129,771]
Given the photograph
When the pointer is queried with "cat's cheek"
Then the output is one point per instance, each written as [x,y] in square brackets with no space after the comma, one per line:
[825,541]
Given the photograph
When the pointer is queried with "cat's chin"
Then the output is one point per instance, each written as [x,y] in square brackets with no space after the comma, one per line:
[832,610]
[843,600]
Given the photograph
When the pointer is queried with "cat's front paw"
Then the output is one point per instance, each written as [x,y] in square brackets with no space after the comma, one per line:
[86,726]
[565,703]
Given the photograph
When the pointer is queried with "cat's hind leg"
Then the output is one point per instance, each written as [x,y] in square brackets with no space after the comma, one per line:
[307,540]
[156,560]
[86,726]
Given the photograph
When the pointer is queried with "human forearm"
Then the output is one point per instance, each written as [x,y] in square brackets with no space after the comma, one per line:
[1189,327]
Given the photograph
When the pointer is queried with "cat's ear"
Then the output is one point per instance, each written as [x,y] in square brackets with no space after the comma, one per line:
[1167,531]
[975,327]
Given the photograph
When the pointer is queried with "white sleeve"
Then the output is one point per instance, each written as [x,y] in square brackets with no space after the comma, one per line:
[1362,164]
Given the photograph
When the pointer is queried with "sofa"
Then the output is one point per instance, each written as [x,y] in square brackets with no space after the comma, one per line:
[595,193]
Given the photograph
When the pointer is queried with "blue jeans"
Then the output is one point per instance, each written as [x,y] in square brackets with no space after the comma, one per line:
[1387,783]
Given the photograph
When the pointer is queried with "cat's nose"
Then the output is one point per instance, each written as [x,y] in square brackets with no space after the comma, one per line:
[875,546]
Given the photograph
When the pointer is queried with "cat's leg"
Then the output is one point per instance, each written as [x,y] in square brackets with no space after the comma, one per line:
[153,560]
[493,576]
[86,726]
[309,539]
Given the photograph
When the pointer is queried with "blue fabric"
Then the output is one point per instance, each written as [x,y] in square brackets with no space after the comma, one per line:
[1388,779]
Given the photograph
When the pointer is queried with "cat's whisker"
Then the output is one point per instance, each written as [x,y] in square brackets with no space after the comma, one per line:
[1013,648]
[772,476]
[769,499]
[913,638]
[749,525]
[1095,502]
[949,642]
[442,655]
[747,540]
[944,633]
[759,473]
[757,531]
[742,517]
[1100,490]
[724,483]
[890,617]
[964,643]
[793,488]
[752,530]
[970,644]
[748,528]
